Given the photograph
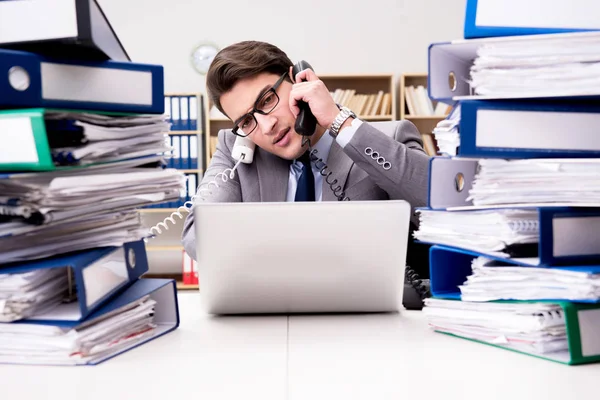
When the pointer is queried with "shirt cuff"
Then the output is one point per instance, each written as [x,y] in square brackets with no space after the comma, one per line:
[346,134]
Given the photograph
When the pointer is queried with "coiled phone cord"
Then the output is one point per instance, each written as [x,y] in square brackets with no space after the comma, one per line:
[323,170]
[415,281]
[410,275]
[201,192]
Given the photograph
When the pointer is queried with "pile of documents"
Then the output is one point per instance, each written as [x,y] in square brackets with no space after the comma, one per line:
[146,310]
[446,132]
[499,231]
[535,328]
[41,344]
[33,292]
[494,280]
[47,213]
[562,181]
[536,67]
[84,147]
[85,138]
[513,216]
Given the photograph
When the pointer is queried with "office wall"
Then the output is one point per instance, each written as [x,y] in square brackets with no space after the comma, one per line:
[335,36]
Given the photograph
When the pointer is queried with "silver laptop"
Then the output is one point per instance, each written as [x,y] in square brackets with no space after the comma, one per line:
[309,257]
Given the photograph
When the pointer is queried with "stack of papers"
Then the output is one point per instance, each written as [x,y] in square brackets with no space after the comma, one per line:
[83,139]
[529,327]
[537,181]
[31,343]
[485,231]
[45,197]
[20,241]
[49,213]
[26,294]
[492,280]
[446,132]
[549,67]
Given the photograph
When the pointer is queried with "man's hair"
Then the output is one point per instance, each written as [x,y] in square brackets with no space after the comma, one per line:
[240,61]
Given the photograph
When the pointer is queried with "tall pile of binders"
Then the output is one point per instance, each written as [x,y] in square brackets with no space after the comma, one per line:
[83,147]
[514,217]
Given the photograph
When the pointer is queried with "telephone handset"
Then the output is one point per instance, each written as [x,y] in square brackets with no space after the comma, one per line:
[306,123]
[243,150]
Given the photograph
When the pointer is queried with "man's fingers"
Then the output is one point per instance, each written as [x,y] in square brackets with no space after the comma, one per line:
[308,75]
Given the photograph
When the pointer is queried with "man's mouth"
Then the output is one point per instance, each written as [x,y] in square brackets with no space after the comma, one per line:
[281,135]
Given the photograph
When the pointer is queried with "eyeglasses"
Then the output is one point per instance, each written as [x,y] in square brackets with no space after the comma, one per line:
[265,104]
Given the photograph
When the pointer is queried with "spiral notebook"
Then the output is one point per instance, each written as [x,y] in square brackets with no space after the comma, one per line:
[563,332]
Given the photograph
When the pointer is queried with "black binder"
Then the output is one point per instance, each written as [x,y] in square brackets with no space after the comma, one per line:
[93,39]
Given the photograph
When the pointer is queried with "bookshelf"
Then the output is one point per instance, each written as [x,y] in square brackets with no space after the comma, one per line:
[424,122]
[360,91]
[165,252]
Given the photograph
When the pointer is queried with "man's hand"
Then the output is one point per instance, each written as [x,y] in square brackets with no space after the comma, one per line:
[315,93]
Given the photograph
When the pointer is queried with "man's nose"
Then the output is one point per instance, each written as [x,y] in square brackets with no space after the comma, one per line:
[266,123]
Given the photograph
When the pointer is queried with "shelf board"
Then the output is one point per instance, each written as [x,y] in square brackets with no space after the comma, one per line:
[220,119]
[163,248]
[182,94]
[185,286]
[191,170]
[376,117]
[198,132]
[157,210]
[427,117]
[178,280]
[356,76]
[415,75]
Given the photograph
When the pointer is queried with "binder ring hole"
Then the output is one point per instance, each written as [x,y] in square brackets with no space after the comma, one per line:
[131,258]
[452,81]
[374,155]
[18,78]
[368,151]
[459,182]
[380,160]
[387,165]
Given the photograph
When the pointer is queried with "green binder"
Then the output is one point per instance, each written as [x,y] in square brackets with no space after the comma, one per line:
[583,335]
[23,141]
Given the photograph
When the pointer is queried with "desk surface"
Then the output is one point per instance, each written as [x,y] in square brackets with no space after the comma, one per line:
[377,356]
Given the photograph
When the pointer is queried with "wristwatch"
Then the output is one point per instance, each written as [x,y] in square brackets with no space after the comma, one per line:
[343,115]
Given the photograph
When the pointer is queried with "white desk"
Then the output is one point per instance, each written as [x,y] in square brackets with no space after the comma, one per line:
[379,356]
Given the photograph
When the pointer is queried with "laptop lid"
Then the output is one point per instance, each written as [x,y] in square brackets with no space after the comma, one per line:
[301,257]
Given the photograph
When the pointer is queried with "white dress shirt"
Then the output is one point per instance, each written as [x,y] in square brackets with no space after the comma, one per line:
[323,146]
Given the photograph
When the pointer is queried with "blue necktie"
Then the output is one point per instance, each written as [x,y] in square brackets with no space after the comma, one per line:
[306,184]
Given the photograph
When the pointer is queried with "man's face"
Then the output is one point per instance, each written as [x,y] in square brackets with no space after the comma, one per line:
[274,132]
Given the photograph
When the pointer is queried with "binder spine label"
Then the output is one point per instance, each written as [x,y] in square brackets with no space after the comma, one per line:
[589,326]
[89,84]
[18,141]
[104,276]
[576,236]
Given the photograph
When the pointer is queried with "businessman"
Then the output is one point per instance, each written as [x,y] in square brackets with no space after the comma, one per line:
[253,85]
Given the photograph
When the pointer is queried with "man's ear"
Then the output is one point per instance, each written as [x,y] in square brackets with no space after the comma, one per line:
[291,74]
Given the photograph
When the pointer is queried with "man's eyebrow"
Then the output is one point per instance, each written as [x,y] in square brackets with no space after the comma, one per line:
[263,90]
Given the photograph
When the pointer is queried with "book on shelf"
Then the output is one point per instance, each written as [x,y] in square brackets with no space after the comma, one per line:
[419,103]
[379,103]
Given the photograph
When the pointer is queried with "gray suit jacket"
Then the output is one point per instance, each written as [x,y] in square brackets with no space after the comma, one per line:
[359,173]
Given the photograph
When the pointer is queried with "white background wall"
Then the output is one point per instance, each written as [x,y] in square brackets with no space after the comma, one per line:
[335,36]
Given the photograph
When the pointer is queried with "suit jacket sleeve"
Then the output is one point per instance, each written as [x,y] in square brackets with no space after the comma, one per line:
[407,179]
[227,191]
